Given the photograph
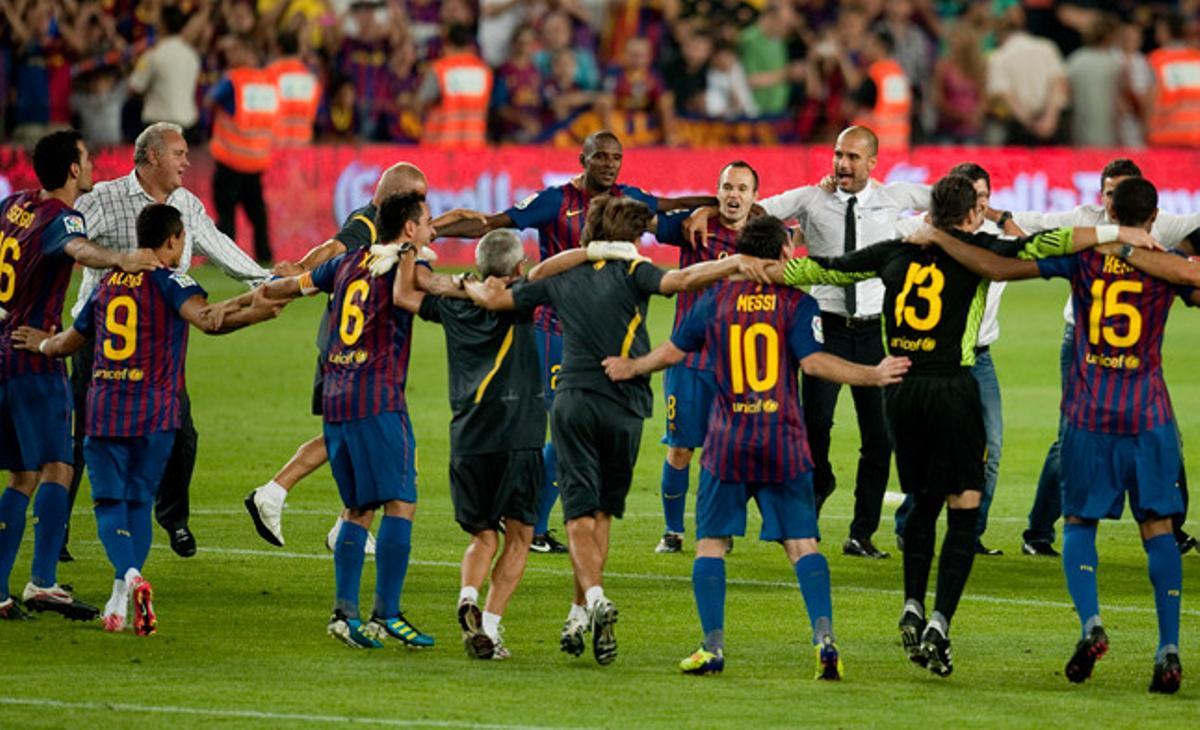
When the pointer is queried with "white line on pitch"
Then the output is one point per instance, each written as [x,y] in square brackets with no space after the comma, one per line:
[1008,600]
[253,714]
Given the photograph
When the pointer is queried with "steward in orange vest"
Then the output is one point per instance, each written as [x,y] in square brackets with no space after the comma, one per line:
[299,94]
[1175,103]
[890,116]
[464,88]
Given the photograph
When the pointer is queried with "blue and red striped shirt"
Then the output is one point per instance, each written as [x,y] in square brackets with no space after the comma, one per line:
[366,361]
[720,241]
[34,273]
[140,351]
[558,214]
[758,335]
[1115,383]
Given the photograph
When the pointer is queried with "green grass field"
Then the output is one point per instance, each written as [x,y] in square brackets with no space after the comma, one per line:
[242,625]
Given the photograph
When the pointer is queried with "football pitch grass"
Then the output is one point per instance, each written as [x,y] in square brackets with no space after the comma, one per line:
[242,639]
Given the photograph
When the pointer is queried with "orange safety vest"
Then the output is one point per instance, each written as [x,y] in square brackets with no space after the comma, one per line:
[243,141]
[460,118]
[1175,115]
[299,96]
[893,104]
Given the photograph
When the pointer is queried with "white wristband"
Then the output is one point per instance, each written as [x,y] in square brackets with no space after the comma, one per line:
[42,345]
[1107,233]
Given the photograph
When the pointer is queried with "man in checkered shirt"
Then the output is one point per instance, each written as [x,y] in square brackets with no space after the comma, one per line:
[111,211]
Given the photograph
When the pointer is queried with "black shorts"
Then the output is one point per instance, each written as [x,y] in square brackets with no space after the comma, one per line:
[486,487]
[596,440]
[936,423]
[318,394]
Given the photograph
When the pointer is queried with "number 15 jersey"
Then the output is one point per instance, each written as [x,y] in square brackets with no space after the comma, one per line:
[756,335]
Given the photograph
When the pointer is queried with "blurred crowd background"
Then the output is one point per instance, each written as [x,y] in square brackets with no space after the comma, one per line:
[1023,72]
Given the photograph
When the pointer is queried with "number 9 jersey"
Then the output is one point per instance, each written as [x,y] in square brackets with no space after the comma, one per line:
[757,335]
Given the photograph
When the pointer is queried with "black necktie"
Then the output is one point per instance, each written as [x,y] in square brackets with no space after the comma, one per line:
[851,240]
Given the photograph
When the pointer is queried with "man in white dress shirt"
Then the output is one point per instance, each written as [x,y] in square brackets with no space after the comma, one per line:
[859,212]
[111,210]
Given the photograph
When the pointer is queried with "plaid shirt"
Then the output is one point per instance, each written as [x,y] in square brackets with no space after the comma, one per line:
[111,212]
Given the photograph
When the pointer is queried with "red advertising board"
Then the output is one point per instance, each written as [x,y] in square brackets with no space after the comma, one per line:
[310,191]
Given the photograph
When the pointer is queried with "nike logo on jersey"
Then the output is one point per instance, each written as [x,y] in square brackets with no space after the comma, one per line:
[573,213]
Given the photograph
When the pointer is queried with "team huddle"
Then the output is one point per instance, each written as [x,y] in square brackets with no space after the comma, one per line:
[564,345]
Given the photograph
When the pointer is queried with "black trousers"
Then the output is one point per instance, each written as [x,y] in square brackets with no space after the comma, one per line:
[861,342]
[232,188]
[171,504]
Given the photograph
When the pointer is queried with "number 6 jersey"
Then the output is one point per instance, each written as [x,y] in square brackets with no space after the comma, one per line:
[141,347]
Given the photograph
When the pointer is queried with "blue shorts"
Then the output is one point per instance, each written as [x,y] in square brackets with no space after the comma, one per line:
[789,510]
[550,354]
[35,422]
[1099,468]
[690,394]
[127,469]
[374,459]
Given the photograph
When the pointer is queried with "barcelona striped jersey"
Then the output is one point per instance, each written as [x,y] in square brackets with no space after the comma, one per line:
[1114,382]
[757,335]
[34,273]
[140,351]
[366,359]
[558,214]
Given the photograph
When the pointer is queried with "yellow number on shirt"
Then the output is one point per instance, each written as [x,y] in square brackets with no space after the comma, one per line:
[10,252]
[929,281]
[352,314]
[120,321]
[1108,304]
[744,367]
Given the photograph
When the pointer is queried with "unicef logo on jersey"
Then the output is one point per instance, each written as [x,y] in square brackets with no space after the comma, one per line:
[354,189]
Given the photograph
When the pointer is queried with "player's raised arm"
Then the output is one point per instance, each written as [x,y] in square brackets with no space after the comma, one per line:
[889,371]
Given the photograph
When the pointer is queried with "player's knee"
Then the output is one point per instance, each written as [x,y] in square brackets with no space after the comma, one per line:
[400,508]
[797,549]
[361,517]
[966,500]
[57,472]
[517,534]
[485,540]
[24,482]
[1155,526]
[679,458]
[313,451]
[1072,520]
[711,547]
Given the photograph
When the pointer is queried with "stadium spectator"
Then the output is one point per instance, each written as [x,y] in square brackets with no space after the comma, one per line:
[686,74]
[562,95]
[959,84]
[1095,76]
[915,52]
[764,55]
[339,119]
[882,99]
[1174,118]
[362,56]
[728,94]
[98,100]
[1027,86]
[634,87]
[556,36]
[299,93]
[1138,83]
[499,23]
[41,74]
[826,74]
[517,94]
[457,88]
[402,81]
[424,23]
[166,76]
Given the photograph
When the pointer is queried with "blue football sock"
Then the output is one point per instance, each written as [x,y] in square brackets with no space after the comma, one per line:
[12,528]
[112,523]
[708,584]
[141,530]
[812,572]
[393,544]
[1166,574]
[51,508]
[549,493]
[1079,564]
[674,495]
[348,565]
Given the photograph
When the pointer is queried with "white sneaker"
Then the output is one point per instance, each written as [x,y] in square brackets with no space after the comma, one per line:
[267,513]
[331,538]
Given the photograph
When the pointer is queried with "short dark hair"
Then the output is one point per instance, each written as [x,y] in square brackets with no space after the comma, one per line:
[763,237]
[952,198]
[887,40]
[459,35]
[745,166]
[156,223]
[53,156]
[615,218]
[1134,201]
[972,171]
[395,211]
[1175,25]
[1120,167]
[173,19]
[289,42]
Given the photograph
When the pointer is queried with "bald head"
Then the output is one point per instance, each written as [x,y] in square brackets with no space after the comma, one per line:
[401,178]
[861,135]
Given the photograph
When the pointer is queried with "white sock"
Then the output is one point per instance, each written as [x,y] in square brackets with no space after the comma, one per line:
[491,625]
[594,595]
[130,575]
[274,492]
[468,593]
[118,603]
[577,612]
